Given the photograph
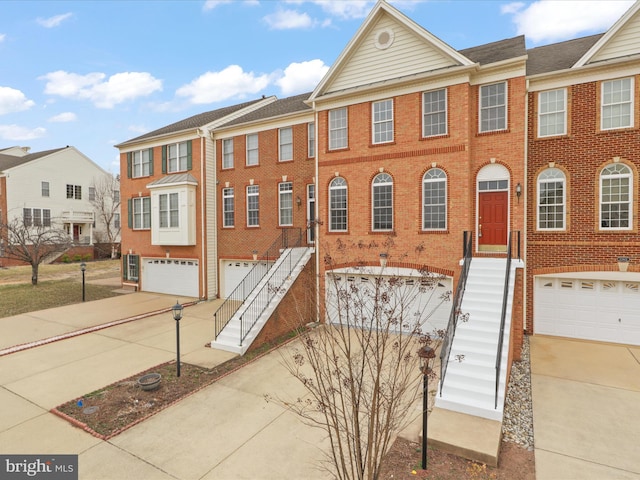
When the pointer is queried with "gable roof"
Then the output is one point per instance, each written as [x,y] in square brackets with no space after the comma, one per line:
[10,161]
[496,51]
[284,106]
[559,56]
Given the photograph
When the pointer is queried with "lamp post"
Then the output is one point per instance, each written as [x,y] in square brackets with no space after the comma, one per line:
[176,310]
[83,268]
[426,354]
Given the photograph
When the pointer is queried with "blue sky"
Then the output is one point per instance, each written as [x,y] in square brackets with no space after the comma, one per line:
[92,74]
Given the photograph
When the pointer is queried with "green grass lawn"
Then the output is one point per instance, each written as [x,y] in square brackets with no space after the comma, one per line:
[23,298]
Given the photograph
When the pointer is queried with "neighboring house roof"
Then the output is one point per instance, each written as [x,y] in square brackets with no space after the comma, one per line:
[174,179]
[496,51]
[285,106]
[559,56]
[10,161]
[193,122]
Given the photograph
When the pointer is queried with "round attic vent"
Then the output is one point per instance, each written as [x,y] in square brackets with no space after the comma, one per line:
[384,39]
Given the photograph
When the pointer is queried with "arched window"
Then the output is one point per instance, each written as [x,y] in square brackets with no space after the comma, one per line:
[615,197]
[551,199]
[434,200]
[338,205]
[382,202]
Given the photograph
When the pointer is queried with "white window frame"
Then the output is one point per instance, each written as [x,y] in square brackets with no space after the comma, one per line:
[311,140]
[547,177]
[228,207]
[435,111]
[253,157]
[611,101]
[285,144]
[483,111]
[382,211]
[141,163]
[177,157]
[44,188]
[285,204]
[227,153]
[169,210]
[552,109]
[253,206]
[620,172]
[141,211]
[92,194]
[338,212]
[382,121]
[431,177]
[338,128]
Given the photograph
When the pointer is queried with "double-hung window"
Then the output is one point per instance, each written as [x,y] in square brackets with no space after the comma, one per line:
[311,139]
[285,202]
[615,197]
[434,113]
[227,153]
[45,189]
[552,113]
[382,202]
[434,200]
[617,104]
[74,191]
[338,129]
[252,149]
[253,206]
[382,115]
[228,207]
[493,107]
[131,267]
[338,205]
[551,199]
[168,210]
[27,217]
[176,157]
[141,163]
[285,142]
[92,194]
[141,213]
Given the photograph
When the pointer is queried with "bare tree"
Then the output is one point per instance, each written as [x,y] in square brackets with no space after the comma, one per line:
[32,242]
[106,205]
[360,369]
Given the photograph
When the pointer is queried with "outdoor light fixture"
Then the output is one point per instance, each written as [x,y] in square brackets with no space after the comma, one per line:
[176,310]
[83,268]
[255,255]
[623,263]
[426,354]
[518,190]
[298,200]
[383,260]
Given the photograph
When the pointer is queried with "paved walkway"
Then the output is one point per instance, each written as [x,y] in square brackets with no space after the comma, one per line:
[586,409]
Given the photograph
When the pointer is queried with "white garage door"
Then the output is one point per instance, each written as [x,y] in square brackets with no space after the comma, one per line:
[591,309]
[233,272]
[175,277]
[417,301]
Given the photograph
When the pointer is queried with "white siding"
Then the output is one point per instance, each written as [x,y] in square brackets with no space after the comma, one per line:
[625,42]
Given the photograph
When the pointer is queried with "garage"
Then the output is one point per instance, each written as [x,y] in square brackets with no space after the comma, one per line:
[233,272]
[589,307]
[170,276]
[415,298]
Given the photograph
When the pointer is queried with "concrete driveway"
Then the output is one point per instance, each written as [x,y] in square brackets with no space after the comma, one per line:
[586,409]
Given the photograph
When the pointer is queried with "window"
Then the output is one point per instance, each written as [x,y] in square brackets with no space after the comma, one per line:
[45,189]
[311,135]
[338,129]
[285,200]
[253,206]
[92,194]
[285,136]
[116,221]
[434,200]
[493,107]
[228,206]
[434,116]
[130,267]
[74,191]
[176,157]
[552,113]
[227,153]
[615,197]
[551,199]
[382,113]
[617,104]
[27,217]
[46,217]
[338,205]
[116,196]
[141,163]
[36,217]
[252,149]
[140,217]
[168,210]
[382,201]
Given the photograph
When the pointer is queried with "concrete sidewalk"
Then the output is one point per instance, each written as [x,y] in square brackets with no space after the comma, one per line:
[586,409]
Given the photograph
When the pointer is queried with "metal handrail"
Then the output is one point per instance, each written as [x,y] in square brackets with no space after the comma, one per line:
[505,296]
[447,341]
[236,299]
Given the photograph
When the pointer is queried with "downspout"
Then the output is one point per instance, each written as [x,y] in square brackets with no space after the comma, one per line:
[203,224]
[317,222]
[526,206]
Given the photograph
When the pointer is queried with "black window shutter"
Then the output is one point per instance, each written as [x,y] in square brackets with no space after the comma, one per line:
[130,212]
[164,159]
[189,162]
[151,161]
[129,167]
[124,267]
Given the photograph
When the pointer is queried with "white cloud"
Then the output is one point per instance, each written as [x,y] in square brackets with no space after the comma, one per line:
[346,10]
[64,117]
[288,19]
[15,132]
[53,21]
[12,100]
[302,77]
[556,20]
[211,4]
[232,82]
[118,88]
[2,37]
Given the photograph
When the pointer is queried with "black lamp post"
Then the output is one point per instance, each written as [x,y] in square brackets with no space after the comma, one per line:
[426,354]
[83,268]
[176,310]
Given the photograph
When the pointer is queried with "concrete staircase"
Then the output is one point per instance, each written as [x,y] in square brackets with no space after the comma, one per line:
[254,312]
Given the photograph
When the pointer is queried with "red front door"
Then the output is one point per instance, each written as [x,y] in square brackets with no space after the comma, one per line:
[492,222]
